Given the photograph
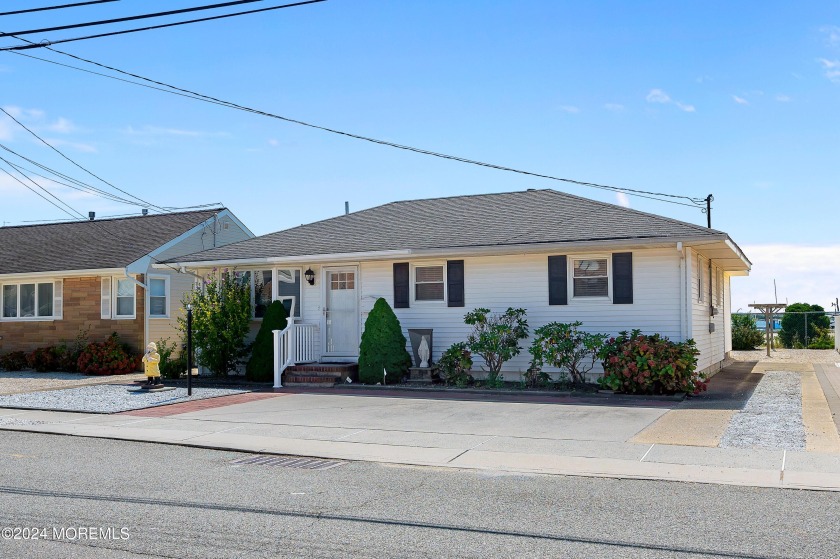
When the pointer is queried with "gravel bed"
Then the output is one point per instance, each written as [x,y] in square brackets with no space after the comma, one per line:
[107,398]
[788,356]
[772,417]
[31,381]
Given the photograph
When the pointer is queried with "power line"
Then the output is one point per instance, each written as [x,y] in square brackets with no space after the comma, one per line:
[672,198]
[42,188]
[113,33]
[74,163]
[62,6]
[128,18]
[36,192]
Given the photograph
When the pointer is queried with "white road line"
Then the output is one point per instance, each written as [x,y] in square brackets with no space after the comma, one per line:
[646,453]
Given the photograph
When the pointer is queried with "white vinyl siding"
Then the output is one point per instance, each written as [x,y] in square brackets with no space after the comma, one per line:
[31,300]
[712,345]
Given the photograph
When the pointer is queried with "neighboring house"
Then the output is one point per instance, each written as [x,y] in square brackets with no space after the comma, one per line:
[58,279]
[561,257]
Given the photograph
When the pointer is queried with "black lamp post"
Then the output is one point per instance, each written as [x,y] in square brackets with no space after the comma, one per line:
[189,350]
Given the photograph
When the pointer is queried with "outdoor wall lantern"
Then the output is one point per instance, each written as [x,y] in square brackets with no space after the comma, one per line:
[310,276]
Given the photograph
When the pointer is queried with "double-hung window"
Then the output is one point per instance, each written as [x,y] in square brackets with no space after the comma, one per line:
[118,298]
[159,296]
[591,277]
[429,283]
[29,300]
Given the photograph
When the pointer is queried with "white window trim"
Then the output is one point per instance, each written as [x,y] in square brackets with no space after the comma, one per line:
[570,281]
[166,279]
[114,286]
[55,316]
[413,285]
[275,296]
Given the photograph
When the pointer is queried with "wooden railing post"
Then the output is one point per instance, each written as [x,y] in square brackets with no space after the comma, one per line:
[277,351]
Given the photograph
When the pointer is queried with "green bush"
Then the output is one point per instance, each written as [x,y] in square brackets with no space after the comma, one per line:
[565,347]
[13,361]
[745,333]
[172,365]
[495,338]
[260,366]
[793,324]
[650,364]
[824,340]
[382,347]
[221,311]
[455,365]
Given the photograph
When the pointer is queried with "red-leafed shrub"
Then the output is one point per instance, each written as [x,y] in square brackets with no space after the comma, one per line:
[44,359]
[108,358]
[13,361]
[650,364]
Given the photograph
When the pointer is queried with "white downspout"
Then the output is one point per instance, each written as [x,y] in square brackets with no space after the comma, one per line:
[145,305]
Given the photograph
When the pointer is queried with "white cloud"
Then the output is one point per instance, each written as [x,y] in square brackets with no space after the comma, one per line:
[831,68]
[781,98]
[164,131]
[62,126]
[78,146]
[571,109]
[832,33]
[657,96]
[803,273]
[740,100]
[614,107]
[622,199]
[273,142]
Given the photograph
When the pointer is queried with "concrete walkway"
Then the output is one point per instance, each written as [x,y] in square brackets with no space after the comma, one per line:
[662,440]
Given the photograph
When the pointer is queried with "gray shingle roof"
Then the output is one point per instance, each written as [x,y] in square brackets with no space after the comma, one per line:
[511,218]
[86,245]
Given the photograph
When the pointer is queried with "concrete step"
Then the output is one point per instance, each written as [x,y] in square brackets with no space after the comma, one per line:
[309,379]
[335,372]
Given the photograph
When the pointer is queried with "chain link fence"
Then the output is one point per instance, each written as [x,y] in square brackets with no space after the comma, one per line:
[805,330]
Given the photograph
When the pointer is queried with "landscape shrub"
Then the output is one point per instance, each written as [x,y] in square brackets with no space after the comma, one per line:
[172,365]
[650,364]
[221,311]
[495,338]
[455,365]
[383,347]
[260,366]
[13,361]
[794,333]
[824,340]
[110,357]
[44,359]
[565,347]
[745,333]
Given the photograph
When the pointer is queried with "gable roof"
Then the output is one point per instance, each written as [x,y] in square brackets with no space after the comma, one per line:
[484,220]
[90,245]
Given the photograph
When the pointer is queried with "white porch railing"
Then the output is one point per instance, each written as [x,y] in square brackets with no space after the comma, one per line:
[294,344]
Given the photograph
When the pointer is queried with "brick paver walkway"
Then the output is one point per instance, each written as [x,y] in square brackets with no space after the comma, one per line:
[198,405]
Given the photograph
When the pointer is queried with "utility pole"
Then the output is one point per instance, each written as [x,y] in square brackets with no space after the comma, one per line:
[709,199]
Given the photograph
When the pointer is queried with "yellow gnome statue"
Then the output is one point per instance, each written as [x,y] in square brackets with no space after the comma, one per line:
[151,361]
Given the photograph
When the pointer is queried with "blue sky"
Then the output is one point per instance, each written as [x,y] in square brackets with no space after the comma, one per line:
[688,98]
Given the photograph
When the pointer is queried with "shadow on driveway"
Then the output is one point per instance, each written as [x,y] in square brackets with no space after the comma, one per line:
[728,390]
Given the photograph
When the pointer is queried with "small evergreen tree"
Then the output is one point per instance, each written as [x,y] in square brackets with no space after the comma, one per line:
[793,330]
[382,347]
[260,367]
[745,332]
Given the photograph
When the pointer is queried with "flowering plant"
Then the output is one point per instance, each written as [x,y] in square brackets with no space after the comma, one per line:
[108,358]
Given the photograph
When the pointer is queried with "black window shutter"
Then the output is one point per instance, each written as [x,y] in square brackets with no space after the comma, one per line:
[622,263]
[402,285]
[455,283]
[558,293]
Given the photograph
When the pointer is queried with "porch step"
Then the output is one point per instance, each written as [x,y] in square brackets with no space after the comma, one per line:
[308,379]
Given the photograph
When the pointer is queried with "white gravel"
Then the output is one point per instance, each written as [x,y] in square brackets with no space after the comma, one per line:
[15,421]
[772,417]
[788,356]
[107,398]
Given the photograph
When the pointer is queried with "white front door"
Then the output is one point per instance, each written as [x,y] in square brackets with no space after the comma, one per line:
[341,311]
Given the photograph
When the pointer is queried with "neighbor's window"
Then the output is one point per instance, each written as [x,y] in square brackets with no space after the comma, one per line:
[288,286]
[590,278]
[262,296]
[125,289]
[428,283]
[28,300]
[158,294]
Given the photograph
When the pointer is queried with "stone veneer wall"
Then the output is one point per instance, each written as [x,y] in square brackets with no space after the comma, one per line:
[81,309]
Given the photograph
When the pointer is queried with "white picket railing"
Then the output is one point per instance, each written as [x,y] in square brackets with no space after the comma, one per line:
[294,344]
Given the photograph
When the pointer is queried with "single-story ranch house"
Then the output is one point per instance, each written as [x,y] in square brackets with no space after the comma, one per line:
[561,257]
[59,278]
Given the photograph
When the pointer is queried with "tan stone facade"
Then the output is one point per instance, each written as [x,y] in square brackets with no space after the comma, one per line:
[81,309]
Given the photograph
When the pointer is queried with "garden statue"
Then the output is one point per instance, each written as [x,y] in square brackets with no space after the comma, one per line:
[424,353]
[151,364]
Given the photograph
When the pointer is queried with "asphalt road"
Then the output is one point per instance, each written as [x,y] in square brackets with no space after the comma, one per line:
[168,501]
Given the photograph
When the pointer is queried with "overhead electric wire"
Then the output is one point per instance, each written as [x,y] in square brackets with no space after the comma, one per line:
[91,173]
[129,18]
[47,43]
[40,187]
[36,192]
[168,88]
[60,7]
